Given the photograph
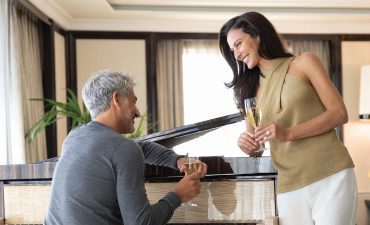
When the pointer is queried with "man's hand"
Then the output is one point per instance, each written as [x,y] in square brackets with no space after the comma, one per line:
[181,165]
[188,187]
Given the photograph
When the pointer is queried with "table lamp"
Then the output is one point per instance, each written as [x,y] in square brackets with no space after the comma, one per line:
[364,110]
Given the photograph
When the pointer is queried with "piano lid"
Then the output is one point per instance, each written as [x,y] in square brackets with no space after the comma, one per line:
[215,142]
[214,137]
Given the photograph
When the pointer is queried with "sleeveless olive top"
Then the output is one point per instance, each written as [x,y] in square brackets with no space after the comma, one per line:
[288,100]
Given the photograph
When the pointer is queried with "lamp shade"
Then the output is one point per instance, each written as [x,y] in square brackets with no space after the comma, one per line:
[364,109]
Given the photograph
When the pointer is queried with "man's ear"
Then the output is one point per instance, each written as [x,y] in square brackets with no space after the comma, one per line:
[115,98]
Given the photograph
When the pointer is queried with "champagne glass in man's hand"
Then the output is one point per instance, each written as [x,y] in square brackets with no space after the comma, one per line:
[192,165]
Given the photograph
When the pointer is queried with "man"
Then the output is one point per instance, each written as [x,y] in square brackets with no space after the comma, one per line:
[99,178]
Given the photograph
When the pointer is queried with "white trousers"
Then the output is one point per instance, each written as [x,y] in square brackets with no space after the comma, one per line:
[329,201]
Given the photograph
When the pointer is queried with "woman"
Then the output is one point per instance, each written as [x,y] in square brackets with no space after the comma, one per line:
[301,107]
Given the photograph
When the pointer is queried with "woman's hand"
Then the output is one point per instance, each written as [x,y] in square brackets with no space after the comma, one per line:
[248,145]
[269,132]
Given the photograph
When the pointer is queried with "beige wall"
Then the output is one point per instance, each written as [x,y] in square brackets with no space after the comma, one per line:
[60,86]
[119,55]
[356,132]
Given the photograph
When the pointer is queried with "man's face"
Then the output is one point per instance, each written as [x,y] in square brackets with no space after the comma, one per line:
[128,112]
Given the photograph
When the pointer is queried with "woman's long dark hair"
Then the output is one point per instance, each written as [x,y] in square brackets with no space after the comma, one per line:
[245,81]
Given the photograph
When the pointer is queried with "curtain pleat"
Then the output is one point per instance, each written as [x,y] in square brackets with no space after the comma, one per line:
[23,81]
[30,76]
[169,85]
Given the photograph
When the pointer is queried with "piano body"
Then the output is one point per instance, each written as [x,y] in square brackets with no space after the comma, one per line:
[237,189]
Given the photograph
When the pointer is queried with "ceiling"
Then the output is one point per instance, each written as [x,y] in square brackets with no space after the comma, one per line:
[289,16]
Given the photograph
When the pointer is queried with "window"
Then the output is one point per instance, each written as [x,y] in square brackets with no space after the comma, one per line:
[204,73]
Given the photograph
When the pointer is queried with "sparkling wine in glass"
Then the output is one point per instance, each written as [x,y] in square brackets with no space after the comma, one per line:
[191,166]
[254,116]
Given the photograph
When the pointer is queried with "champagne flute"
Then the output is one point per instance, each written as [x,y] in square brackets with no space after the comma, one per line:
[254,115]
[191,166]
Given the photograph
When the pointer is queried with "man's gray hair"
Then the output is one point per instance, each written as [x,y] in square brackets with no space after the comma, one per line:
[98,91]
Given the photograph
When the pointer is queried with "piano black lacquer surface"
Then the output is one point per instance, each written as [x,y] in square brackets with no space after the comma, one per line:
[237,189]
[214,142]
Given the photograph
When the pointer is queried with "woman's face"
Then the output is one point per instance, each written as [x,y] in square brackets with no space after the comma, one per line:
[244,47]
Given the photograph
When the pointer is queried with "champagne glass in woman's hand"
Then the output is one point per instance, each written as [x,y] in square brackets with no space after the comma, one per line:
[254,116]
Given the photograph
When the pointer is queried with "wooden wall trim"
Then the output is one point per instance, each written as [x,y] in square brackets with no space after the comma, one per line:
[48,75]
[35,11]
[336,70]
[108,35]
[307,36]
[151,83]
[355,37]
[59,29]
[71,69]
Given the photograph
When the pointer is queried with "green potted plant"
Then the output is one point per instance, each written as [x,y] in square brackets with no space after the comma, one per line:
[70,109]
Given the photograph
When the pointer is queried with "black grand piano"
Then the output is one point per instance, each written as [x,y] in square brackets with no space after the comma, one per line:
[237,189]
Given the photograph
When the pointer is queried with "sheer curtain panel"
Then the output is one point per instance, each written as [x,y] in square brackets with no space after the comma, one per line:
[22,80]
[169,84]
[4,70]
[205,72]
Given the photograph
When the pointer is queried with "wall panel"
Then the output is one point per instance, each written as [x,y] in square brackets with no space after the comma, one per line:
[60,86]
[124,55]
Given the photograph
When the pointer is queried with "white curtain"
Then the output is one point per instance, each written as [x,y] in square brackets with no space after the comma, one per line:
[204,73]
[22,80]
[190,82]
[169,84]
[4,69]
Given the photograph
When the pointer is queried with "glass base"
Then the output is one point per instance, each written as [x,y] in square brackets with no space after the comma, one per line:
[189,203]
[262,149]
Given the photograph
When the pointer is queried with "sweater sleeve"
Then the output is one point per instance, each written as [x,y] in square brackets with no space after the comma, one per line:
[128,165]
[159,155]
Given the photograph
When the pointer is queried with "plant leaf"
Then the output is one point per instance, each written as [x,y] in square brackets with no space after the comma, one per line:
[58,110]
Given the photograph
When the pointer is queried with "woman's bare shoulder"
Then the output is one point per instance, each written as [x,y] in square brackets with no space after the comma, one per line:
[306,57]
[303,63]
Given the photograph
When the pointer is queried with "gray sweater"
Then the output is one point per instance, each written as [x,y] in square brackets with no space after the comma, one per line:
[99,179]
